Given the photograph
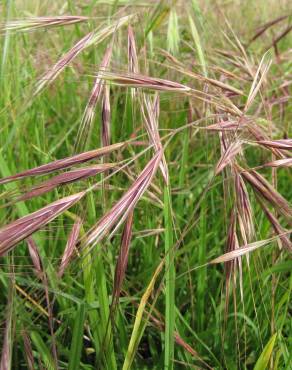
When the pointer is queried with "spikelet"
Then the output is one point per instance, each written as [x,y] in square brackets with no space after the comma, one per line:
[146,82]
[119,212]
[151,114]
[70,246]
[122,262]
[20,229]
[39,22]
[262,187]
[92,38]
[65,178]
[89,113]
[278,144]
[61,164]
[228,155]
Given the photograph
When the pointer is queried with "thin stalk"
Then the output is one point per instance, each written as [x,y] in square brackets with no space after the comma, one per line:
[6,42]
[86,261]
[169,283]
[105,323]
[202,273]
[183,170]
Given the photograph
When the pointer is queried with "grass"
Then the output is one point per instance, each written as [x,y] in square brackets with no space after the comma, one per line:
[145,171]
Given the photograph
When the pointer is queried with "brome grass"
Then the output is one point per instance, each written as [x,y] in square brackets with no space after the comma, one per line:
[145,184]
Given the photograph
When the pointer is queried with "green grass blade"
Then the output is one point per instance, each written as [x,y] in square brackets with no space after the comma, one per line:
[198,13]
[197,41]
[202,272]
[138,328]
[77,338]
[263,360]
[183,171]
[105,323]
[173,32]
[6,42]
[42,350]
[169,283]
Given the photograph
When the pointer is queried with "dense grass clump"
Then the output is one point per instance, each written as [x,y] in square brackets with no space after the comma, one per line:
[145,184]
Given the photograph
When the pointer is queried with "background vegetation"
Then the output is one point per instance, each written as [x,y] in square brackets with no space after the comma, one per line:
[176,252]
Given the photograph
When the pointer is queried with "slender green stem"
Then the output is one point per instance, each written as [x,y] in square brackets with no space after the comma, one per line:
[169,283]
[202,273]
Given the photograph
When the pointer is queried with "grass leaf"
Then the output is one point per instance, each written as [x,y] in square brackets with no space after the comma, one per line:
[263,360]
[77,338]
